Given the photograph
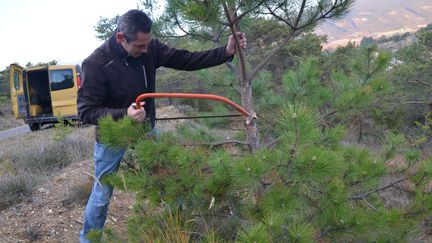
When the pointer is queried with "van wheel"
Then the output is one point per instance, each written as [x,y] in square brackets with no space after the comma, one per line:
[34,126]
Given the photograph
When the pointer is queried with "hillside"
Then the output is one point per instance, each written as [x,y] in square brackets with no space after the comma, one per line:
[369,18]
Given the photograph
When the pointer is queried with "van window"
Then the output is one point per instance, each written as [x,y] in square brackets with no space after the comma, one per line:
[16,81]
[61,79]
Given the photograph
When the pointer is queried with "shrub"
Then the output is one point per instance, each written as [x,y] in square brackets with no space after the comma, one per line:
[33,234]
[45,156]
[302,190]
[80,144]
[13,189]
[79,193]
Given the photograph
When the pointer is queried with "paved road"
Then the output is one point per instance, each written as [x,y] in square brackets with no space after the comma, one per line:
[14,132]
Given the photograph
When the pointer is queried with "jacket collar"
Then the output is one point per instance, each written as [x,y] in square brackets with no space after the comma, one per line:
[119,50]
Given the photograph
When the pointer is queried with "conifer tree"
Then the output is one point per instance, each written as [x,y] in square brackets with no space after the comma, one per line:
[306,187]
[213,20]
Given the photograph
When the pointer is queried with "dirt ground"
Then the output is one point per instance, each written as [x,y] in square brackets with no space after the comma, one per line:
[51,214]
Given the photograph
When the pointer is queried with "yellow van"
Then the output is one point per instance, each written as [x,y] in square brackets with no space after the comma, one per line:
[43,95]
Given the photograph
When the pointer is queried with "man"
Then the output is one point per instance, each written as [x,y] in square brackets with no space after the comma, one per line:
[113,76]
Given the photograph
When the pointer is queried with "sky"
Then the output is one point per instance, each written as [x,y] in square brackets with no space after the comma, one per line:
[45,30]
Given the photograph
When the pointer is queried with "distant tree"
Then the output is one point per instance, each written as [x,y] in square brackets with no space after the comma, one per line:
[40,64]
[368,41]
[340,59]
[4,82]
[412,75]
[105,27]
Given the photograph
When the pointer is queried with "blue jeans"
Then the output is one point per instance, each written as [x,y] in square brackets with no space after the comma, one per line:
[107,161]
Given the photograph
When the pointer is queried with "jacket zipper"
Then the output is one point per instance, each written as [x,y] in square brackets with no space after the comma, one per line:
[145,76]
[144,72]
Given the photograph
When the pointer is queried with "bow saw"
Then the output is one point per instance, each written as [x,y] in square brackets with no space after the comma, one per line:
[237,107]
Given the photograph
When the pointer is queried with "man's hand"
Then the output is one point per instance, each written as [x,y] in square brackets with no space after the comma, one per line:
[231,46]
[137,114]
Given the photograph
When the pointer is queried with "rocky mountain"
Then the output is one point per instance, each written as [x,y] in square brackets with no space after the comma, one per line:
[377,18]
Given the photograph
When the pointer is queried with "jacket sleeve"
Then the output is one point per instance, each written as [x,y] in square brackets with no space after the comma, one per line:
[93,94]
[187,60]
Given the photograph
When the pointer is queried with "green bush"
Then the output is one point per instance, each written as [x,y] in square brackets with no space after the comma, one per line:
[303,190]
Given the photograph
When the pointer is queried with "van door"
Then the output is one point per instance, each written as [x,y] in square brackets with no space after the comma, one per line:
[16,78]
[63,85]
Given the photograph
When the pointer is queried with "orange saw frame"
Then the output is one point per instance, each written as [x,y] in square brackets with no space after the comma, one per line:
[237,107]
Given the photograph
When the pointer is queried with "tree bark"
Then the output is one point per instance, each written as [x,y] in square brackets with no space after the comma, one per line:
[251,125]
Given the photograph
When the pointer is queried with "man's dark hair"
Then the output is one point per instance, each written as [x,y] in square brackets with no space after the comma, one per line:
[132,22]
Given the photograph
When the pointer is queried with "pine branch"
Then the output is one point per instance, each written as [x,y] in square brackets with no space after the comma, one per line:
[369,205]
[231,84]
[421,179]
[271,123]
[402,189]
[275,51]
[420,83]
[410,214]
[189,33]
[328,114]
[303,5]
[270,144]
[339,111]
[273,13]
[238,18]
[294,28]
[324,233]
[335,5]
[171,36]
[131,166]
[417,103]
[216,144]
[294,146]
[218,36]
[362,196]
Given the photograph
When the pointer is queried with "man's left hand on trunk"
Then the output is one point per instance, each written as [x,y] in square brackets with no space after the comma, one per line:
[231,46]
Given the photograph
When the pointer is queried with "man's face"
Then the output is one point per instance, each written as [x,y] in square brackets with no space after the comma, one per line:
[136,47]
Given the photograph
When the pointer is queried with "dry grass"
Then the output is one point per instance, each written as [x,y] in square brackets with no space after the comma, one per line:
[14,189]
[78,193]
[7,120]
[37,155]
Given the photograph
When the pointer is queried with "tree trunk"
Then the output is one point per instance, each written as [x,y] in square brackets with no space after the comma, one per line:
[251,125]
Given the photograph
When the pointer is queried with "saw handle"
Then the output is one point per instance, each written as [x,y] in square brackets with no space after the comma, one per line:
[240,109]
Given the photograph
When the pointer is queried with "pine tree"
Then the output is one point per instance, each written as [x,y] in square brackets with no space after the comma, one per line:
[216,19]
[302,190]
[305,187]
